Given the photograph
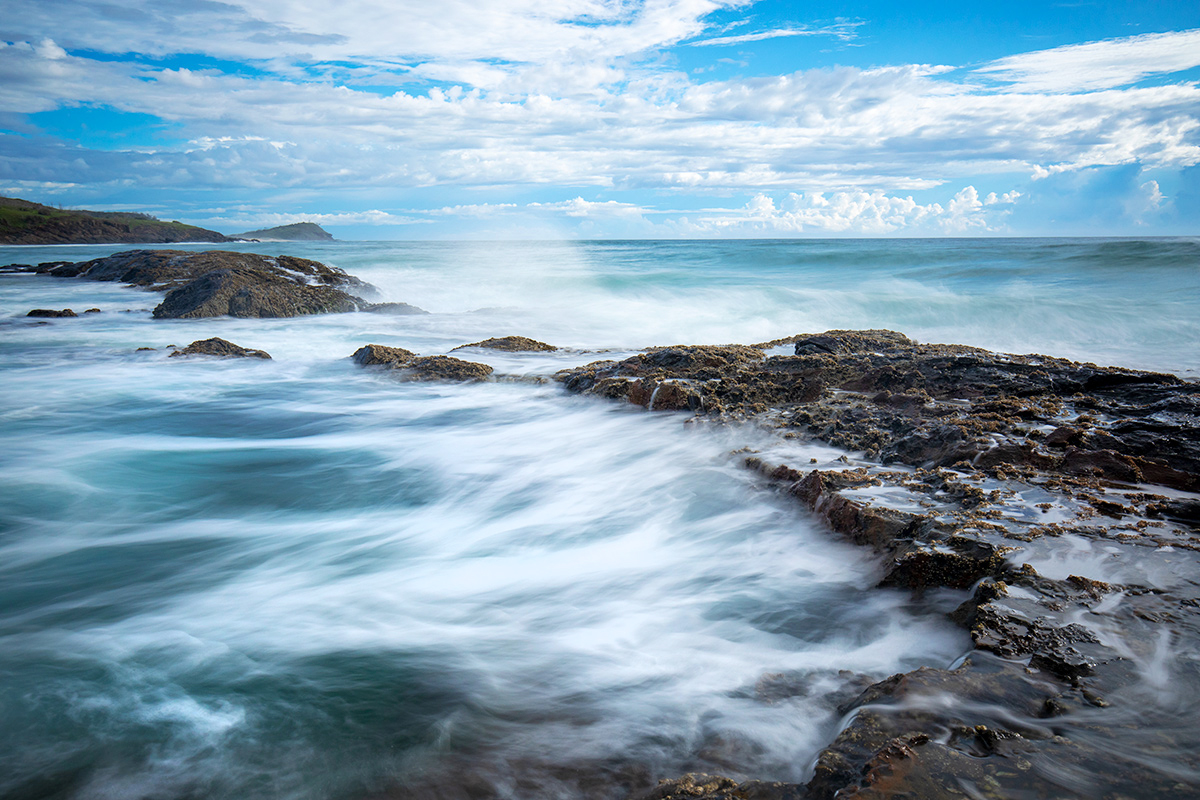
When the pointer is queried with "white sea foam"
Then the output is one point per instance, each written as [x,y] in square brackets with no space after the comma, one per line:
[299,578]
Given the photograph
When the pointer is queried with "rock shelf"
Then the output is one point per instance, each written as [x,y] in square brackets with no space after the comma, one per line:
[1058,499]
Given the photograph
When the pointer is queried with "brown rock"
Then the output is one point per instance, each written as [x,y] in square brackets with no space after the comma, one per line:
[380,355]
[250,292]
[220,348]
[445,368]
[512,344]
[47,312]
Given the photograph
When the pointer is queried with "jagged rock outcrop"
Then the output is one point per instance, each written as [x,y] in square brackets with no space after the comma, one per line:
[220,348]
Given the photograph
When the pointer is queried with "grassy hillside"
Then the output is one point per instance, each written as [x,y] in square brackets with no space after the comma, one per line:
[23,222]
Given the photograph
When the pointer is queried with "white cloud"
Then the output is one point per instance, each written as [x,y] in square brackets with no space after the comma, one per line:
[841,30]
[257,220]
[893,129]
[576,107]
[848,213]
[393,32]
[475,210]
[1099,65]
[587,208]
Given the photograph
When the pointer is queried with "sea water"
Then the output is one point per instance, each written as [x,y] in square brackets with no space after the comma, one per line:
[299,578]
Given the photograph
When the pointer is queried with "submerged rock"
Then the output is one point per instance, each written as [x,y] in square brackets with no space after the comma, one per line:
[395,309]
[220,348]
[380,355]
[444,368]
[48,312]
[512,344]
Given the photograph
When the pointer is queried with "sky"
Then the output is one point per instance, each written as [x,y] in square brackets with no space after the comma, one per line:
[407,119]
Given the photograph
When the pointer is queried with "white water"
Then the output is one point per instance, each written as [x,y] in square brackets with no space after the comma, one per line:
[298,578]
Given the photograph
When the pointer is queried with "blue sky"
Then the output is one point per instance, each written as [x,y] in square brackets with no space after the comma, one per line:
[395,119]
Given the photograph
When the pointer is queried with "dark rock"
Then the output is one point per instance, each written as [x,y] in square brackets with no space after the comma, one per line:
[985,453]
[835,342]
[220,282]
[932,405]
[444,368]
[957,563]
[698,786]
[664,395]
[512,344]
[47,312]
[220,348]
[380,355]
[247,292]
[93,311]
[1101,463]
[395,309]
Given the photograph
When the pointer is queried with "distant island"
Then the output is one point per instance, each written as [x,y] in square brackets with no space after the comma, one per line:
[25,222]
[298,232]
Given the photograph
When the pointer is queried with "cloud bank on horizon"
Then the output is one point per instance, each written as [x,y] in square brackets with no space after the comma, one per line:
[608,118]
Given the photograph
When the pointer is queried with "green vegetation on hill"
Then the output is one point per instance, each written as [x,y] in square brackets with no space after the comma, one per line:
[297,232]
[23,222]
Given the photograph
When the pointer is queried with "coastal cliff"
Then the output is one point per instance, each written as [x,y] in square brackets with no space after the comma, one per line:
[24,222]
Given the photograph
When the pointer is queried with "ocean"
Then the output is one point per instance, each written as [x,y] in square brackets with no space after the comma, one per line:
[300,578]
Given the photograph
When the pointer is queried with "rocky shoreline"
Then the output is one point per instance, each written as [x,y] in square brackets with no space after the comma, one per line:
[1055,504]
[968,470]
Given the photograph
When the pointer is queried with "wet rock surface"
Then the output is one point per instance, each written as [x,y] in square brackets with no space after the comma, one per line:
[1058,498]
[411,367]
[512,344]
[220,348]
[226,283]
[49,312]
[444,368]
[251,292]
[375,355]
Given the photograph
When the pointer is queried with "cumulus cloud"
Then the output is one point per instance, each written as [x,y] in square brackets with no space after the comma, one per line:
[859,213]
[587,208]
[530,94]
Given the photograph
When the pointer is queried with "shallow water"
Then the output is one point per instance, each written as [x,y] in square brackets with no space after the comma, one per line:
[298,578]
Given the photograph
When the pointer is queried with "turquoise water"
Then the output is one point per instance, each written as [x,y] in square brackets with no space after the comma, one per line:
[301,579]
